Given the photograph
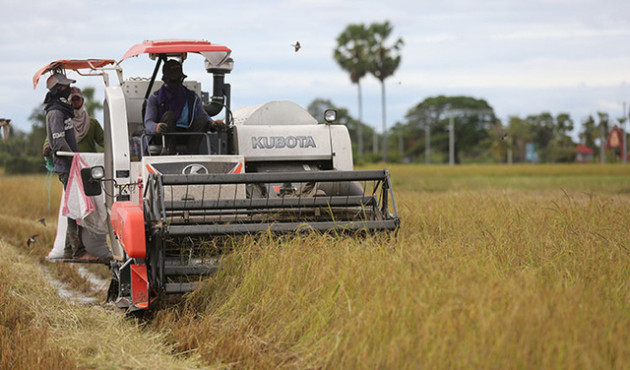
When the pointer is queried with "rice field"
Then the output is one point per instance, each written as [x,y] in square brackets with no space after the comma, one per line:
[493,267]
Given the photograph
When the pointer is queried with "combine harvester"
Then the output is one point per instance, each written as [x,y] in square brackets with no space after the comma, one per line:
[274,168]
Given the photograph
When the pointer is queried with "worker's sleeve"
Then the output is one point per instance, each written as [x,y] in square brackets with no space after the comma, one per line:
[150,115]
[57,131]
[99,135]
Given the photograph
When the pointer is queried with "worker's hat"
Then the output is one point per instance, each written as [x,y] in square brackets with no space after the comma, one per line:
[58,79]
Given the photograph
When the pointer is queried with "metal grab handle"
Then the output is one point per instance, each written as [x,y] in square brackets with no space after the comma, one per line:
[273,177]
[65,154]
[145,143]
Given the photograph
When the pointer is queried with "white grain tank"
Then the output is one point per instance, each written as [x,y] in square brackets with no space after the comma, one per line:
[283,131]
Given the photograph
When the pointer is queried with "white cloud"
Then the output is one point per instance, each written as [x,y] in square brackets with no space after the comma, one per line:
[535,73]
[554,31]
[432,39]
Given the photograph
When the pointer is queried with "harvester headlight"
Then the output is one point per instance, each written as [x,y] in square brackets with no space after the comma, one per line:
[330,115]
[97,172]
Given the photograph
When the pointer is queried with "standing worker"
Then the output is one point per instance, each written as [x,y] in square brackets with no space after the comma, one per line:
[87,130]
[60,134]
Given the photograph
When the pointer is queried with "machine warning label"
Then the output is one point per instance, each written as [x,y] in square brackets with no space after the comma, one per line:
[277,142]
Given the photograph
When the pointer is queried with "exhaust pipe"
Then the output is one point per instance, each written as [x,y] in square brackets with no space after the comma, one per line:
[217,101]
[220,90]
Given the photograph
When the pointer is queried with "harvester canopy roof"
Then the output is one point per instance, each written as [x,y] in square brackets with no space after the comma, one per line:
[175,46]
[73,64]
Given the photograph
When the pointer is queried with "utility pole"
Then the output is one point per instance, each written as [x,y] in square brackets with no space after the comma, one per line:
[427,143]
[451,140]
[624,152]
[384,123]
[360,127]
[374,143]
[602,143]
[400,142]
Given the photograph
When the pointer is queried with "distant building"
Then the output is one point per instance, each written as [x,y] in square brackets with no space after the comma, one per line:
[615,143]
[530,153]
[583,154]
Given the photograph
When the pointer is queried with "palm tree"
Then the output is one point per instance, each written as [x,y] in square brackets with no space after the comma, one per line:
[352,56]
[384,62]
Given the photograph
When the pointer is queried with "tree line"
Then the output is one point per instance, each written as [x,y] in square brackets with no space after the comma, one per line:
[455,128]
[479,136]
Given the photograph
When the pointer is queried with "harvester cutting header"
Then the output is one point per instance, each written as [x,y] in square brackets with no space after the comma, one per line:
[173,194]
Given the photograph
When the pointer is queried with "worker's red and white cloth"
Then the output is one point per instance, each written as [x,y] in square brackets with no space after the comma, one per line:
[94,223]
[77,205]
[89,212]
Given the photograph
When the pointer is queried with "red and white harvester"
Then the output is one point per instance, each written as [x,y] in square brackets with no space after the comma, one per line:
[274,169]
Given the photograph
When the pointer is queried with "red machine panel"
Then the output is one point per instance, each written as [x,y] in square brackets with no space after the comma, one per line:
[139,286]
[128,223]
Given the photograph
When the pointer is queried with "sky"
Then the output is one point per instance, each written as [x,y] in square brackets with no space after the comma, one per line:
[522,57]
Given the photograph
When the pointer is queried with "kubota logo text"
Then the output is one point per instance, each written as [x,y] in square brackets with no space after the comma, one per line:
[277,142]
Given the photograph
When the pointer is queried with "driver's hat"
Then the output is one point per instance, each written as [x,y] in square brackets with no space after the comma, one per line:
[172,70]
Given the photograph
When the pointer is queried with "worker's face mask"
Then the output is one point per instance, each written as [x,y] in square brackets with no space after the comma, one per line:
[174,81]
[62,91]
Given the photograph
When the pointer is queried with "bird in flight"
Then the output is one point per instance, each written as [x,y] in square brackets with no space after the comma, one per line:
[297,46]
[32,240]
[42,221]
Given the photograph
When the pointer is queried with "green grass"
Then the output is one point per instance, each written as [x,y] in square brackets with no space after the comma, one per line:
[577,177]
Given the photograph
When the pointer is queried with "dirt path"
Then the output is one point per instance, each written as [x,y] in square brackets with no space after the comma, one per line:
[66,292]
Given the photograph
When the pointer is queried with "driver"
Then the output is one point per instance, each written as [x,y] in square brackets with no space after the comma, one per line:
[174,108]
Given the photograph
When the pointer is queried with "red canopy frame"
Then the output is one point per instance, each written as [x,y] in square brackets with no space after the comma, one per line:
[73,64]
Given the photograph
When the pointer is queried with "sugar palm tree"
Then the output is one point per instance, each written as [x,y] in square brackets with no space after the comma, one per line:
[384,60]
[351,54]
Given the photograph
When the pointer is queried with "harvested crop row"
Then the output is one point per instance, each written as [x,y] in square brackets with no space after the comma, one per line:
[40,330]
